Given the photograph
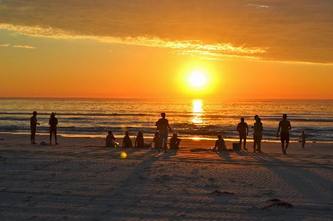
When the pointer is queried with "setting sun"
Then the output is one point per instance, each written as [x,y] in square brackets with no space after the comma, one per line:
[240,91]
[198,79]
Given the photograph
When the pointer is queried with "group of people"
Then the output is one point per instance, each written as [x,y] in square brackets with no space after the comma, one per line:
[127,142]
[243,130]
[53,125]
[283,132]
[160,140]
[161,136]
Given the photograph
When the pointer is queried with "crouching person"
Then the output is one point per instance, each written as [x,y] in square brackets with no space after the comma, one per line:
[157,142]
[220,144]
[111,140]
[127,142]
[139,140]
[174,142]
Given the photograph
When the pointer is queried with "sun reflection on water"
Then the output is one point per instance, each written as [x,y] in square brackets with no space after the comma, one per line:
[197,110]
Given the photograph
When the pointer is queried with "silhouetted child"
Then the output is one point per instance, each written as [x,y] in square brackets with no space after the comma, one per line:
[139,140]
[220,144]
[53,122]
[157,141]
[174,142]
[127,142]
[110,140]
[33,126]
[243,131]
[303,139]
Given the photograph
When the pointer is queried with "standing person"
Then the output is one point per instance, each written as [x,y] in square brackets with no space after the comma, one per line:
[33,127]
[163,128]
[127,142]
[243,130]
[257,134]
[283,132]
[139,140]
[53,122]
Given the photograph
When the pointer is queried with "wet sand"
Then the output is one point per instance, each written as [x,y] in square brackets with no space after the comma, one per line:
[80,179]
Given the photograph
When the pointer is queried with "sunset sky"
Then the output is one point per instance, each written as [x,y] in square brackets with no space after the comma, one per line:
[242,49]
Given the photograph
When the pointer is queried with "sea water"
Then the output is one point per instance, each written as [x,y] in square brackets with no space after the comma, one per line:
[192,118]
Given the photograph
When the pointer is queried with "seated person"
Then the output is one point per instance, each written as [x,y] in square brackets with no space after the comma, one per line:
[139,140]
[110,140]
[219,144]
[127,142]
[157,141]
[174,142]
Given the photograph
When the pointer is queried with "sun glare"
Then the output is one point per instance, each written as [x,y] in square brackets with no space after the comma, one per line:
[198,79]
[197,106]
[197,111]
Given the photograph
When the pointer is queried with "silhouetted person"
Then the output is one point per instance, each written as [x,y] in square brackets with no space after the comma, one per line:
[243,131]
[283,132]
[163,128]
[157,141]
[174,142]
[127,142]
[33,127]
[257,134]
[303,139]
[219,144]
[53,122]
[110,140]
[139,140]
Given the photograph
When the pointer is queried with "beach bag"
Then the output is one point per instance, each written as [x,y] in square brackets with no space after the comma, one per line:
[236,147]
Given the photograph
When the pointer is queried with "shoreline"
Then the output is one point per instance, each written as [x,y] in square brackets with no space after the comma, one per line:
[149,137]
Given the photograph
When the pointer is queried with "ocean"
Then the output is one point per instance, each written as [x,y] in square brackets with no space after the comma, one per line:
[196,119]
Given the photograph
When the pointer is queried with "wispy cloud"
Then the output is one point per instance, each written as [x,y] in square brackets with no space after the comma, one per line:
[258,5]
[17,46]
[189,47]
[24,46]
[298,30]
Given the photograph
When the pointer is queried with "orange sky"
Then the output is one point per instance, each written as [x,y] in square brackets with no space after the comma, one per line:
[250,49]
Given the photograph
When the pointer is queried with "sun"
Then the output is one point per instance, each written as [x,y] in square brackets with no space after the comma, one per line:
[198,79]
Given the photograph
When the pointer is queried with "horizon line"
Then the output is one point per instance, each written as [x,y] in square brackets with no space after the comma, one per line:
[161,98]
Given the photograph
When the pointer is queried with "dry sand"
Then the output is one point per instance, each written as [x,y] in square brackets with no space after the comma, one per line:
[82,180]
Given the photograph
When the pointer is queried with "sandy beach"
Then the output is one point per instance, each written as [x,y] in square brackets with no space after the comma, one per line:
[87,72]
[82,180]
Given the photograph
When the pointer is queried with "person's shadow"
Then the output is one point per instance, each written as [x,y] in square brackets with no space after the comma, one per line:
[225,155]
[169,154]
[299,177]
